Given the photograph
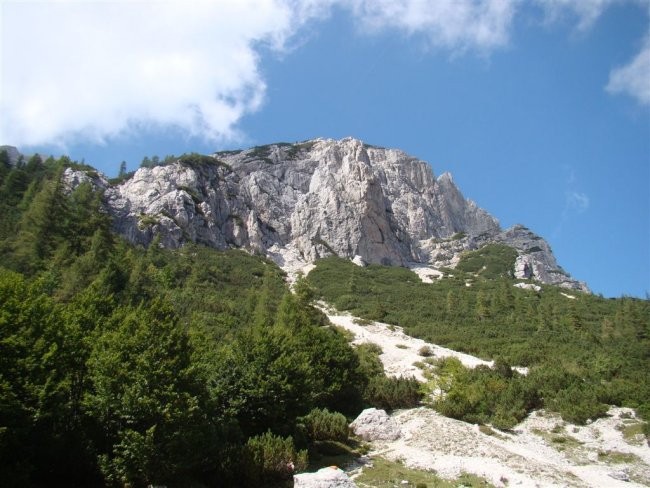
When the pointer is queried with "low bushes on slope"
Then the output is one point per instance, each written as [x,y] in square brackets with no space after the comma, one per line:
[582,353]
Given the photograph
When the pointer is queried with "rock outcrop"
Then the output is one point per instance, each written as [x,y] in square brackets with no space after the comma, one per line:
[330,477]
[298,202]
[12,153]
[375,425]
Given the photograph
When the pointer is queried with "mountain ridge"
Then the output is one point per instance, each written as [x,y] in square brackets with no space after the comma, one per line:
[299,202]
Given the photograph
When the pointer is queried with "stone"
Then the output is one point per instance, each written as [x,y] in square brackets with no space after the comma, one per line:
[330,477]
[619,475]
[375,425]
[528,286]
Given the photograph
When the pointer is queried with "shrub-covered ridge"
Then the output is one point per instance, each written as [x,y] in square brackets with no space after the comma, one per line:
[583,353]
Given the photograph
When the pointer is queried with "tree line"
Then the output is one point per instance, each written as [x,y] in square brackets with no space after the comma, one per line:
[121,365]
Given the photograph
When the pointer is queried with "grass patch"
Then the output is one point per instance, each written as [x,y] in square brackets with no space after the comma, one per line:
[388,474]
[147,220]
[335,453]
[401,346]
[560,441]
[633,433]
[487,430]
[617,457]
[360,321]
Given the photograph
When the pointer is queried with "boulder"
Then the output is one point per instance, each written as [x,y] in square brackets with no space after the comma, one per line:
[331,477]
[528,286]
[619,475]
[375,425]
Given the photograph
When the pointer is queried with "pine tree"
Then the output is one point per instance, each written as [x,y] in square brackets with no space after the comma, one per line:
[5,165]
[43,226]
[451,305]
[482,305]
[264,313]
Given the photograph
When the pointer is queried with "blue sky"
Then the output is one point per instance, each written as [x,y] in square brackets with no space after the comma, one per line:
[540,109]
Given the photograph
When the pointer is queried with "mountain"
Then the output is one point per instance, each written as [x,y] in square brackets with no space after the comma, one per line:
[117,357]
[299,202]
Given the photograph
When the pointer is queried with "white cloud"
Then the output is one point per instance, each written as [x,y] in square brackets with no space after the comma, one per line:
[94,70]
[586,11]
[633,78]
[454,24]
[98,69]
[577,201]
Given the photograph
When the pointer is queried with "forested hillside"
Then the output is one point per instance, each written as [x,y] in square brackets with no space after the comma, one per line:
[583,351]
[122,365]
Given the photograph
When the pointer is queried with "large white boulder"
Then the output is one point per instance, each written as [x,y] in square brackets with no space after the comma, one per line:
[331,477]
[375,425]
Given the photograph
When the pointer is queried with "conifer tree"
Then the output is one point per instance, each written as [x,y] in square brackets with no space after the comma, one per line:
[5,165]
[43,226]
[451,305]
[482,305]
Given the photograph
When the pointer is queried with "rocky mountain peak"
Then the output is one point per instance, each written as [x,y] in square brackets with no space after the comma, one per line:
[299,202]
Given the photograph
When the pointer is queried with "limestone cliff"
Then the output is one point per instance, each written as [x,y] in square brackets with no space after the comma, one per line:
[299,202]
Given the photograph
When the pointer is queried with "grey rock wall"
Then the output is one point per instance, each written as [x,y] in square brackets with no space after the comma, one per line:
[299,202]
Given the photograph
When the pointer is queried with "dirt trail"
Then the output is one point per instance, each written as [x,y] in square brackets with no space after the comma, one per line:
[542,451]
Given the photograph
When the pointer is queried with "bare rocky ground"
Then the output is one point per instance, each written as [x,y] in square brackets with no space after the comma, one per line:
[542,451]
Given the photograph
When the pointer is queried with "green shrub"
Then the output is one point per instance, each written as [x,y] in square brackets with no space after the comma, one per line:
[484,395]
[270,458]
[369,363]
[595,343]
[425,351]
[196,161]
[491,261]
[323,425]
[578,404]
[392,393]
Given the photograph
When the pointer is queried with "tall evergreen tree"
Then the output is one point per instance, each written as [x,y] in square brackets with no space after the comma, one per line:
[5,165]
[43,226]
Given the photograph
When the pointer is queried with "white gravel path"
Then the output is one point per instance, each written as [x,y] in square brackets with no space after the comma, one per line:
[400,351]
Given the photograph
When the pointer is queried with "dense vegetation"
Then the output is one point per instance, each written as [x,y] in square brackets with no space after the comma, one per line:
[121,365]
[584,352]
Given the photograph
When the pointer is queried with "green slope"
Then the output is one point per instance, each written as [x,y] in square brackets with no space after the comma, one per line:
[583,352]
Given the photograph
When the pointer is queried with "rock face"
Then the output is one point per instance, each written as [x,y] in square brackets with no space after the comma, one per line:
[298,202]
[330,477]
[13,154]
[375,425]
